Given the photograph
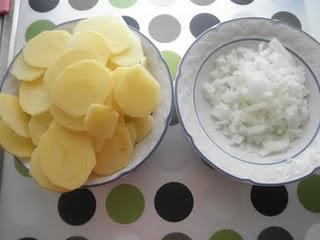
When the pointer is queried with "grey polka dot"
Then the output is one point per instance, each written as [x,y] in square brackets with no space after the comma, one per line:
[271,233]
[202,22]
[287,17]
[242,2]
[176,236]
[164,28]
[82,5]
[202,2]
[131,22]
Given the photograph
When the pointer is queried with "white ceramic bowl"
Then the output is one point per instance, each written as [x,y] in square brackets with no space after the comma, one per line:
[158,68]
[303,157]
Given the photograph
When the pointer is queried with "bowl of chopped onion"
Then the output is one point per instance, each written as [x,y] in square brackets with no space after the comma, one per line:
[247,95]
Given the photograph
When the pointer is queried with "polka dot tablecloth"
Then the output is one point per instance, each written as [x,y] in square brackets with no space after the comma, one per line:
[174,195]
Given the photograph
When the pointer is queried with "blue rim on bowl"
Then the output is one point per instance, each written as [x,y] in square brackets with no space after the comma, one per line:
[147,43]
[192,62]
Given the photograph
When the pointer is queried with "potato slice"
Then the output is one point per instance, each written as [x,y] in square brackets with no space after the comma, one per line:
[114,30]
[66,157]
[112,66]
[76,124]
[80,85]
[130,57]
[67,58]
[38,125]
[23,71]
[12,114]
[136,92]
[101,121]
[98,144]
[132,132]
[115,154]
[143,126]
[92,41]
[33,97]
[13,143]
[42,50]
[36,172]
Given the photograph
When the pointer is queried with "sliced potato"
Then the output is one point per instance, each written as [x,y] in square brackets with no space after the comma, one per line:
[112,66]
[101,121]
[33,97]
[12,114]
[36,172]
[114,30]
[143,126]
[136,92]
[76,124]
[13,143]
[66,157]
[132,56]
[133,132]
[38,124]
[98,144]
[92,41]
[67,58]
[42,50]
[23,71]
[80,85]
[115,154]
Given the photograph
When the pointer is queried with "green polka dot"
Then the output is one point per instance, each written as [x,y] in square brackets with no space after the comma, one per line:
[21,169]
[309,193]
[125,204]
[226,234]
[173,60]
[37,27]
[122,3]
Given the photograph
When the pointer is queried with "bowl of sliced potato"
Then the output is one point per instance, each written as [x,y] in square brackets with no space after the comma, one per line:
[85,103]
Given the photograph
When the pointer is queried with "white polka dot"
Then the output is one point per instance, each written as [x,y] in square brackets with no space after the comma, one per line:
[313,233]
[163,3]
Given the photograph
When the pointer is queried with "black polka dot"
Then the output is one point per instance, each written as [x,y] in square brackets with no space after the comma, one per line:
[174,117]
[176,236]
[288,18]
[76,238]
[43,5]
[131,22]
[242,2]
[269,201]
[77,207]
[275,233]
[174,202]
[27,238]
[202,22]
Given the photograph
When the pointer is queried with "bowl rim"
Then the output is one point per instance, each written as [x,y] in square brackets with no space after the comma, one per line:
[189,137]
[167,118]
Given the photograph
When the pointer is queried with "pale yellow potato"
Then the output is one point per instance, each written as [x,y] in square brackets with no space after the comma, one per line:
[66,157]
[114,30]
[42,50]
[18,146]
[111,66]
[92,41]
[36,172]
[137,92]
[98,144]
[130,57]
[143,126]
[67,58]
[12,114]
[33,97]
[101,121]
[76,124]
[115,154]
[133,132]
[38,125]
[80,85]
[23,71]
